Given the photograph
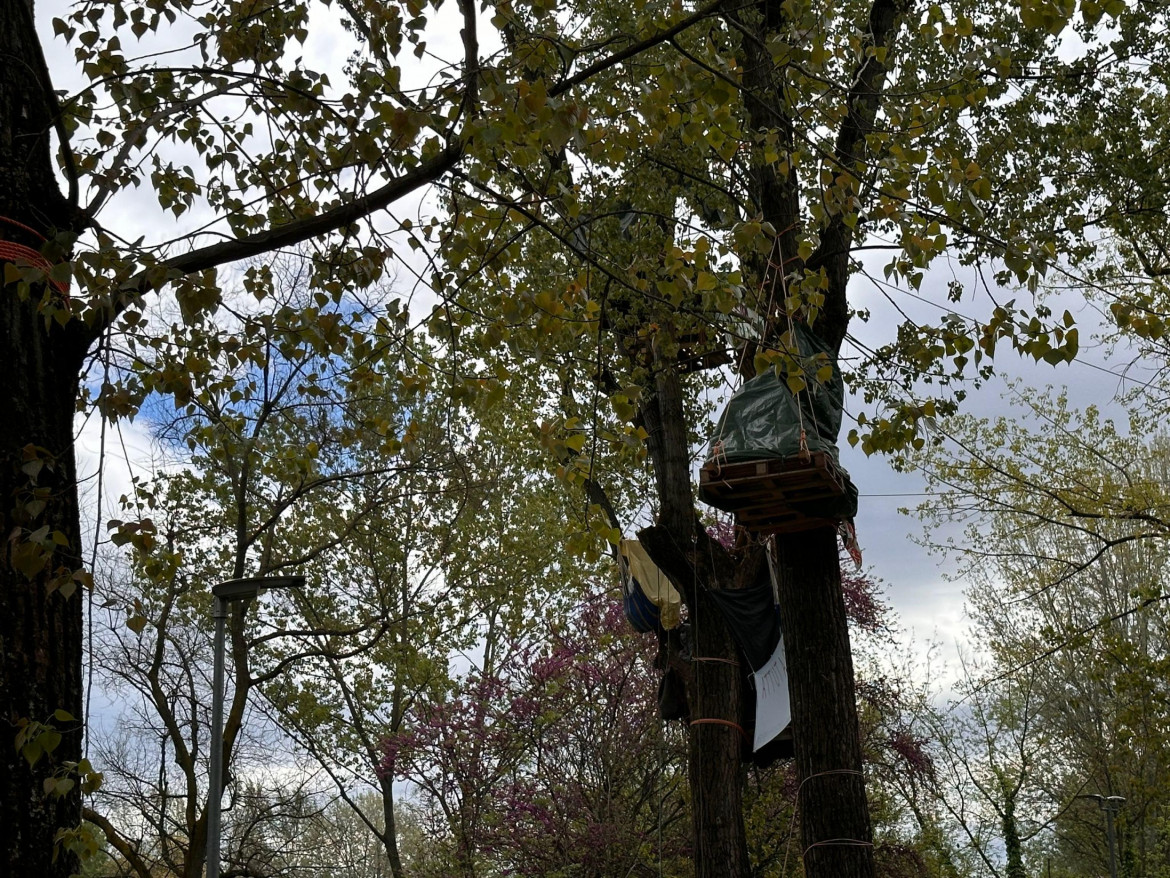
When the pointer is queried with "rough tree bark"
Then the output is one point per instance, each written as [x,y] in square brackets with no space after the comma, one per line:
[697,564]
[835,827]
[834,815]
[40,626]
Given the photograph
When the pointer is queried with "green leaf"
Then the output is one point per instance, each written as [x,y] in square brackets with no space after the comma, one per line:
[49,740]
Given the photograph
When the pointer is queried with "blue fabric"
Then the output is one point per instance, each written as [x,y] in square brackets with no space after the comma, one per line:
[640,611]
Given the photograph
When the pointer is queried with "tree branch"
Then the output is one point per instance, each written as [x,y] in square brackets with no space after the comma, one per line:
[116,841]
[861,105]
[636,48]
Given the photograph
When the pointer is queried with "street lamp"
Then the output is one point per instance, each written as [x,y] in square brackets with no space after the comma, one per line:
[1110,805]
[224,594]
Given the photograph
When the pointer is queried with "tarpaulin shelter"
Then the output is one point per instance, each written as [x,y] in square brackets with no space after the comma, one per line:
[773,459]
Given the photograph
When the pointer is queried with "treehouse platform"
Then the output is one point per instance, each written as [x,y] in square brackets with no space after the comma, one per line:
[779,495]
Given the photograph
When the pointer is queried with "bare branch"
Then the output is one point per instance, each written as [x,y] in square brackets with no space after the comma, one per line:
[120,844]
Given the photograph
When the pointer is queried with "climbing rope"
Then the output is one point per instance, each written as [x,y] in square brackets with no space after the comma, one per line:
[827,842]
[11,251]
[698,788]
[776,270]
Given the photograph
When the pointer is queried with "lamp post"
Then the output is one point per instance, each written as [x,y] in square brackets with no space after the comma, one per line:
[1110,805]
[224,594]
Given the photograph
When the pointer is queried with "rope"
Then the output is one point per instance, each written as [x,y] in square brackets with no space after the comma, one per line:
[11,251]
[698,787]
[712,721]
[828,842]
[773,269]
[661,791]
[837,842]
[804,452]
[104,350]
[706,658]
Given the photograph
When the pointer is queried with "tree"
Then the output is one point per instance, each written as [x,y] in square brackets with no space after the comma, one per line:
[799,133]
[989,752]
[309,176]
[1066,551]
[272,480]
[738,209]
[460,561]
[307,451]
[552,761]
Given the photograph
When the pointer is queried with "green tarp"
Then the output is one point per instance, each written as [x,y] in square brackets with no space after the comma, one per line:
[764,419]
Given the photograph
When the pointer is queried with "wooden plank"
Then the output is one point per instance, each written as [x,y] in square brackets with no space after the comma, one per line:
[761,493]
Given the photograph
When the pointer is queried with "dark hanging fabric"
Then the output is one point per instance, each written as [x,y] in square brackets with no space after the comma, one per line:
[672,697]
[753,618]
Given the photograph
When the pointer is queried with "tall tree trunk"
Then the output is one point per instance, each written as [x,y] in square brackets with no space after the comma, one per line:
[715,747]
[40,625]
[40,628]
[835,823]
[1013,849]
[697,564]
[834,816]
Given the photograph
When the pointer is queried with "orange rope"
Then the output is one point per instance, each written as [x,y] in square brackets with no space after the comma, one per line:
[10,251]
[21,225]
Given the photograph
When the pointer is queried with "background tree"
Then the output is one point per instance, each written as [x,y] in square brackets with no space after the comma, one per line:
[1065,550]
[553,760]
[278,155]
[417,532]
[460,562]
[271,483]
[798,134]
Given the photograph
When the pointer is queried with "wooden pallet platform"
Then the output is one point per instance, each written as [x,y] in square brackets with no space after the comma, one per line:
[761,493]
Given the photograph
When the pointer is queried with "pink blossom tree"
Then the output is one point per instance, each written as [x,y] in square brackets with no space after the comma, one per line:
[554,763]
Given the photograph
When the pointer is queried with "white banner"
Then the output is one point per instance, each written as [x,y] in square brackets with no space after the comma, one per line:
[773,712]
